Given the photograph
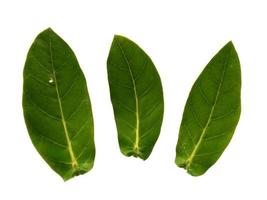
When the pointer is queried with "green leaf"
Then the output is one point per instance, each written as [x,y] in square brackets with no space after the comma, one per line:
[57,108]
[137,97]
[211,113]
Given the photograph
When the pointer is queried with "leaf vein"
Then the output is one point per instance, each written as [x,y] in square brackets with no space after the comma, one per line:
[142,71]
[127,108]
[47,138]
[83,100]
[137,136]
[204,96]
[216,136]
[224,115]
[195,115]
[80,129]
[71,86]
[148,113]
[44,112]
[40,64]
[194,152]
[147,89]
[39,80]
[117,83]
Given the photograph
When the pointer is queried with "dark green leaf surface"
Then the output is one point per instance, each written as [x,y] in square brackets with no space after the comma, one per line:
[137,97]
[56,105]
[211,113]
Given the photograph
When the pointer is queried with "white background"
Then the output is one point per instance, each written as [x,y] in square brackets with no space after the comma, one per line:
[180,37]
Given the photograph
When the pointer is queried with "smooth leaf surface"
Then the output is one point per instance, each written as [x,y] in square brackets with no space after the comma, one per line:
[137,97]
[56,105]
[211,113]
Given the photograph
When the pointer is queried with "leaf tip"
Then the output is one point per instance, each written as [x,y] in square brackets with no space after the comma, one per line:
[49,30]
[118,37]
[229,48]
[230,45]
[232,50]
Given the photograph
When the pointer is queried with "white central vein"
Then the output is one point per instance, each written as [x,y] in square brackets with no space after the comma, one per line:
[137,134]
[74,163]
[204,130]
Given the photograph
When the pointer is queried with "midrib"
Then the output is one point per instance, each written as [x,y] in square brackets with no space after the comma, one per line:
[74,162]
[191,157]
[137,134]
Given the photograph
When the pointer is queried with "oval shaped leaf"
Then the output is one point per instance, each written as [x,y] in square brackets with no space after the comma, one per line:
[137,97]
[211,113]
[56,105]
